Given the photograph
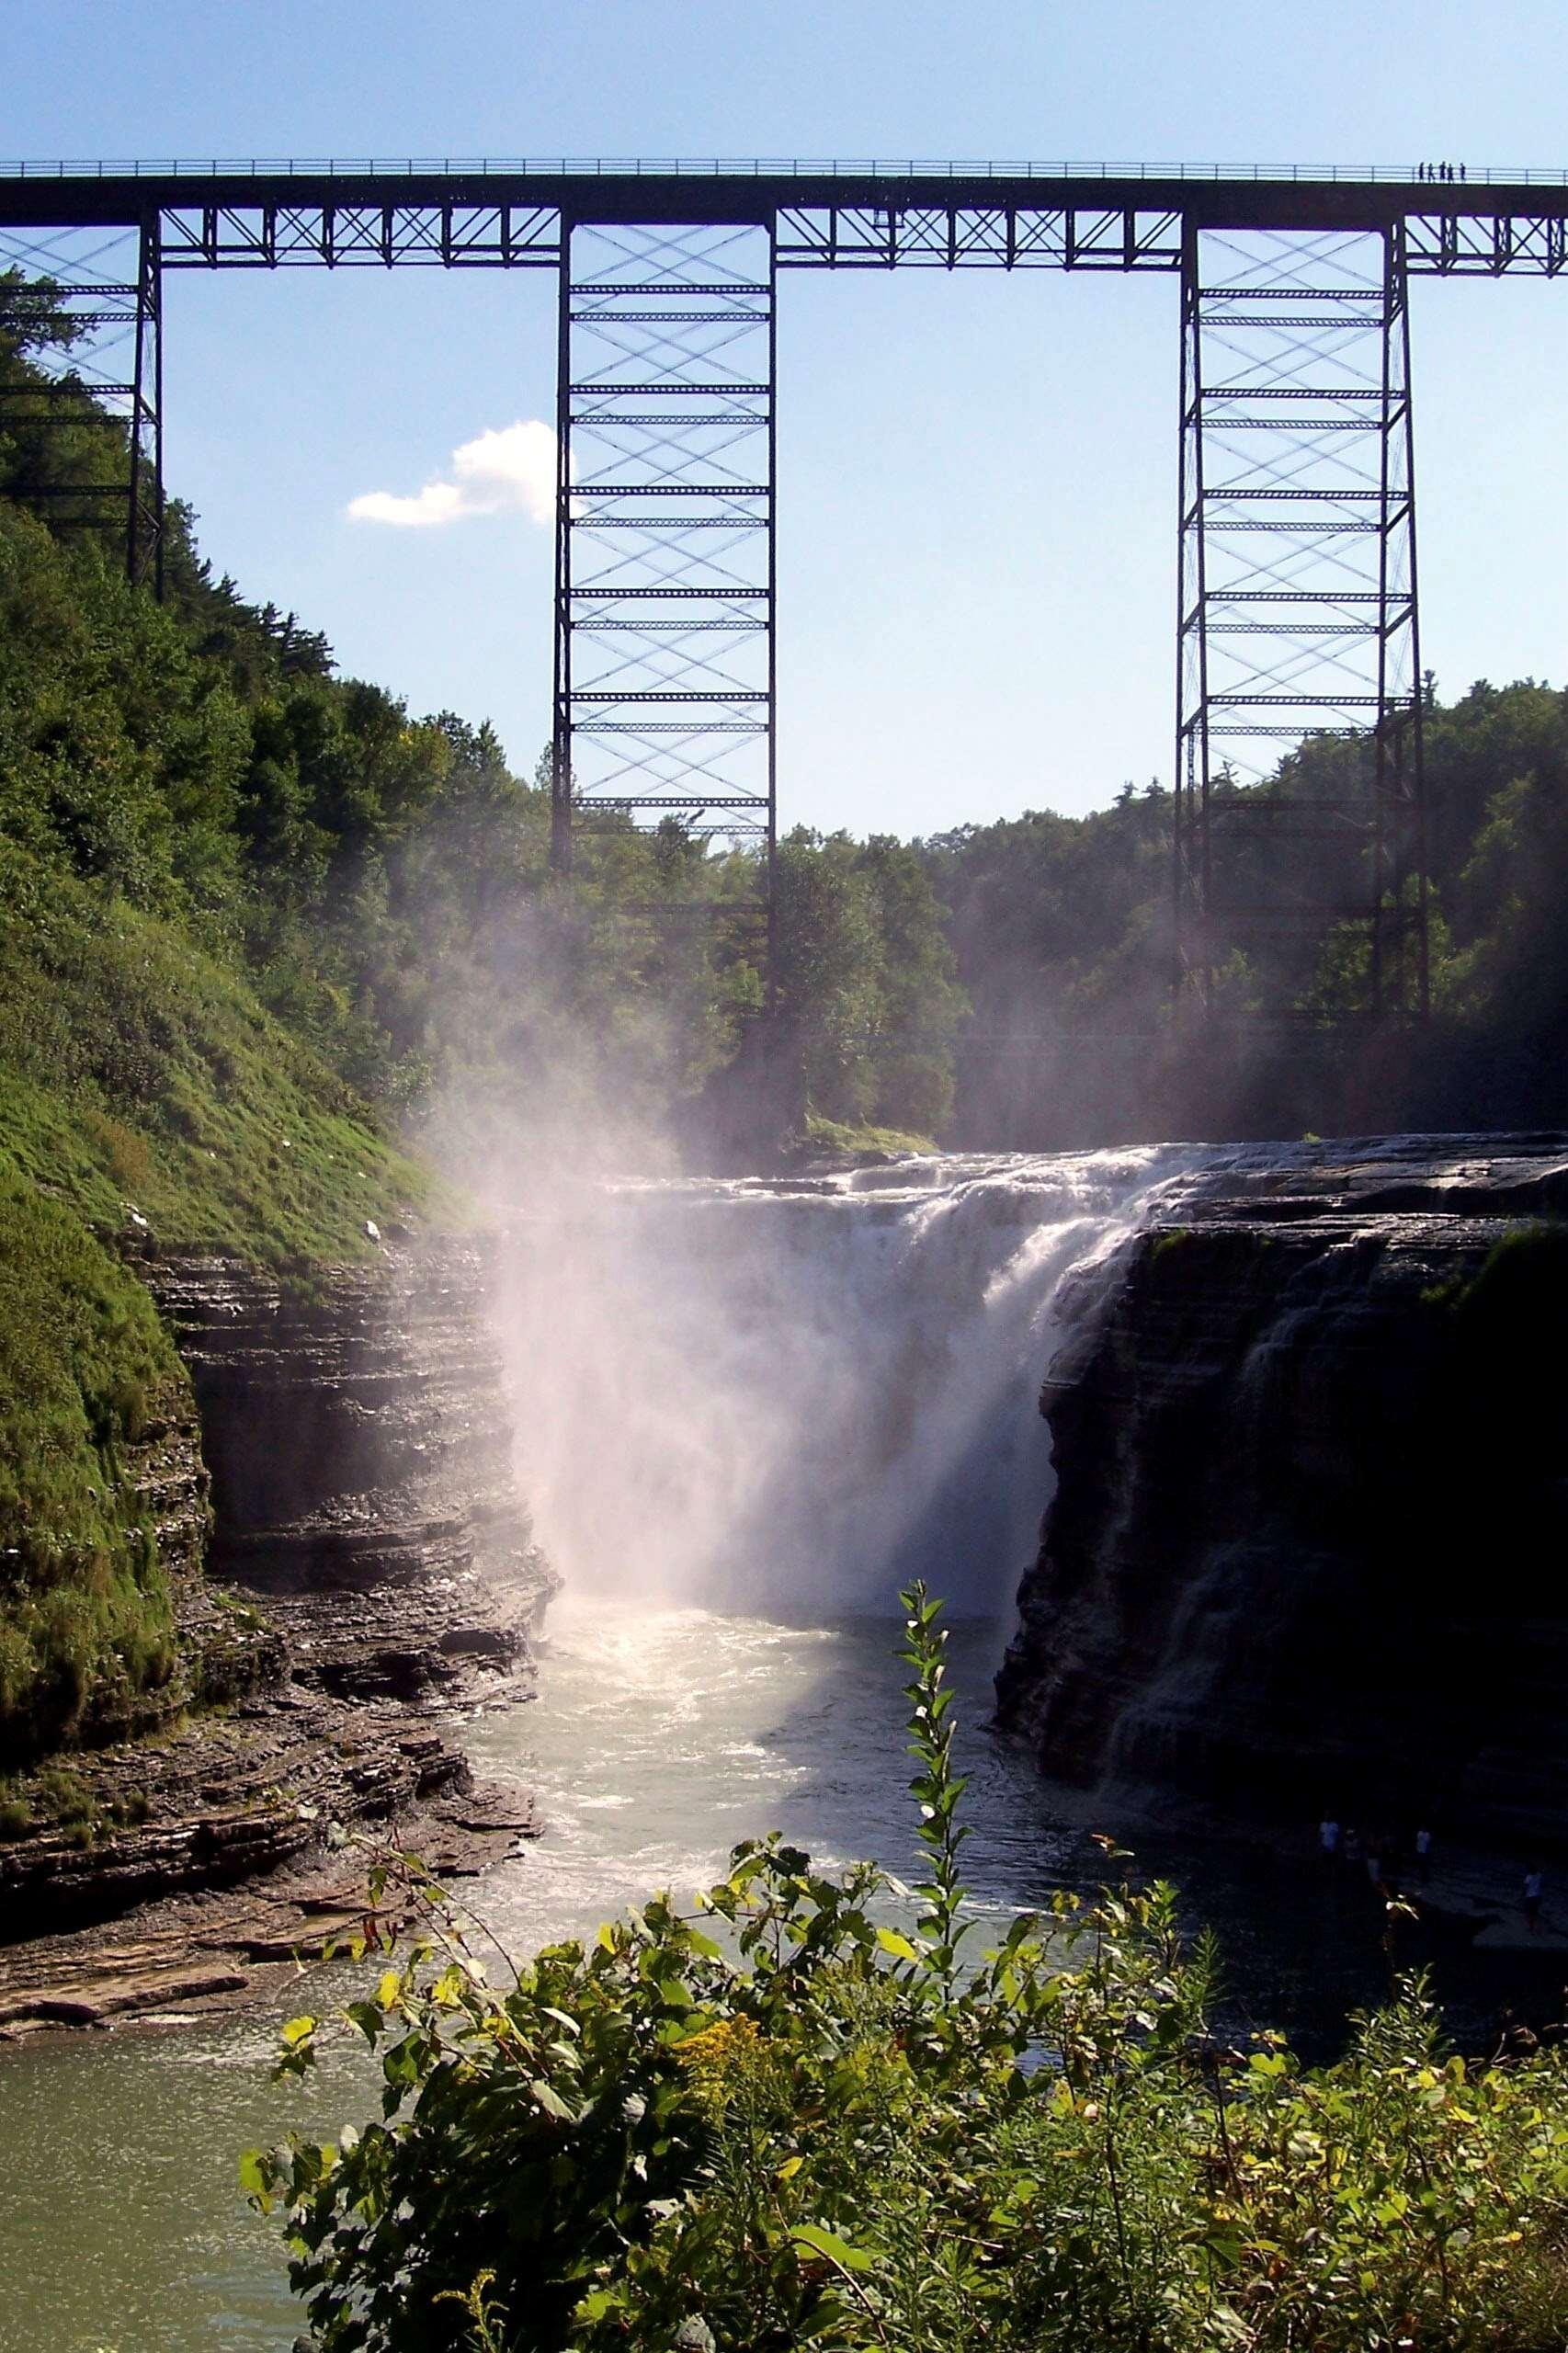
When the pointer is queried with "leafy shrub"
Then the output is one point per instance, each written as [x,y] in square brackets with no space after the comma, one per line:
[784,2122]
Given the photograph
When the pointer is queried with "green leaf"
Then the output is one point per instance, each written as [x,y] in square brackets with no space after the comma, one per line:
[900,1946]
[550,2100]
[827,2244]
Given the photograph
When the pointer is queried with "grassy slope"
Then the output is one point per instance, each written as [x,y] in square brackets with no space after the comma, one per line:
[861,1141]
[137,1073]
[86,1614]
[138,1077]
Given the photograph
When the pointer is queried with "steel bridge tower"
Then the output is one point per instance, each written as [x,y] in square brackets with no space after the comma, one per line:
[109,294]
[664,525]
[1297,613]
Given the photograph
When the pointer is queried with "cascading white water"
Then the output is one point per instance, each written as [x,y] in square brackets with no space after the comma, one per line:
[791,1397]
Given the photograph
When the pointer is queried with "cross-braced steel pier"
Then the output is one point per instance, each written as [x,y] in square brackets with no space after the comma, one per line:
[1297,610]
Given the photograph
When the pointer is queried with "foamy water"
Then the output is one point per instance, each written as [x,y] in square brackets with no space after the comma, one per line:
[793,1398]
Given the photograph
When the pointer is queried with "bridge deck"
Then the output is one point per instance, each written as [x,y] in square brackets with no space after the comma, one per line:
[63,194]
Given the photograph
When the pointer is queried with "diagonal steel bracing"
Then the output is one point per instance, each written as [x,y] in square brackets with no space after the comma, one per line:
[106,284]
[664,532]
[1297,608]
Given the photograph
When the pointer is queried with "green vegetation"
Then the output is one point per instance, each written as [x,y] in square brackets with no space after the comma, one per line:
[1061,927]
[58,1800]
[860,1142]
[140,1077]
[1520,1286]
[86,1620]
[784,2121]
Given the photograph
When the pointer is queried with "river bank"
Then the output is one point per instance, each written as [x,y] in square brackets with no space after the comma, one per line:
[255,1824]
[364,1578]
[660,1737]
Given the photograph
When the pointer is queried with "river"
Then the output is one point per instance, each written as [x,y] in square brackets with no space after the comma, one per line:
[746,1412]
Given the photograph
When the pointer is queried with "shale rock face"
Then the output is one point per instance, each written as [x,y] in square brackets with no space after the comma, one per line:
[1307,1548]
[369,1567]
[359,1443]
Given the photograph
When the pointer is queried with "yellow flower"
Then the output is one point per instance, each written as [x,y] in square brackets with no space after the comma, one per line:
[722,2059]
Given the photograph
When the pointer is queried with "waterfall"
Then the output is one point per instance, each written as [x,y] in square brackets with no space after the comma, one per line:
[790,1396]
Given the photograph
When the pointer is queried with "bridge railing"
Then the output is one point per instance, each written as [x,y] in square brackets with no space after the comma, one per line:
[761,167]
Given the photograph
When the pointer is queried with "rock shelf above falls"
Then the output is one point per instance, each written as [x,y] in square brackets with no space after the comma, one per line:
[1307,1546]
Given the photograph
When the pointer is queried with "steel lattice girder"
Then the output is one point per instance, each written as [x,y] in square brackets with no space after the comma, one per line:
[664,532]
[984,215]
[342,236]
[107,285]
[837,236]
[1298,609]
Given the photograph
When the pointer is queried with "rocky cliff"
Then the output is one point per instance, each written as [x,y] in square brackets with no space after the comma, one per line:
[360,1440]
[1307,1542]
[370,1568]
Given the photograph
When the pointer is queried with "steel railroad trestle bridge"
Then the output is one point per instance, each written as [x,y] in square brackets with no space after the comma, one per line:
[1297,610]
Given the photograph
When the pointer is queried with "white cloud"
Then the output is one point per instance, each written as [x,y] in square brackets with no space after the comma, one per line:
[497,472]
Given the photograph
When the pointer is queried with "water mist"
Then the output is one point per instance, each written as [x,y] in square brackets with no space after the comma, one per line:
[789,1397]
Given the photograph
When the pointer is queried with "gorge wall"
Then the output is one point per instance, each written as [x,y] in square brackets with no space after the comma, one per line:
[358,1435]
[1307,1543]
[367,1567]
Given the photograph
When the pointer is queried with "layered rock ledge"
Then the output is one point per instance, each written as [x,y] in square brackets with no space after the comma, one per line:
[372,1575]
[1306,1547]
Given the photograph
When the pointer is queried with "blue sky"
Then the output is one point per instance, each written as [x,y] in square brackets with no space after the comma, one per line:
[977,472]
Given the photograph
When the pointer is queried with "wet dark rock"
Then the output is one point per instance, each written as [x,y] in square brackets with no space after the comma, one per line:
[1305,1551]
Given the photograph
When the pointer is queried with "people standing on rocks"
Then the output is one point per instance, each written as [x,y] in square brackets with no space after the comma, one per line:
[1352,1846]
[1423,1855]
[1535,1881]
[1328,1838]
